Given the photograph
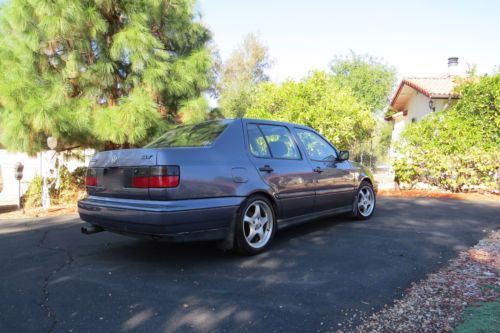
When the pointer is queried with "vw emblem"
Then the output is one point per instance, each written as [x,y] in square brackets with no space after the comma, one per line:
[114,158]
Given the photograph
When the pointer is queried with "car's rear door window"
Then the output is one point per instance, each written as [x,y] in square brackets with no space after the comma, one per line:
[273,140]
[198,135]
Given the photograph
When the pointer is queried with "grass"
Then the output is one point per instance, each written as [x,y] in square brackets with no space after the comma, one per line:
[483,318]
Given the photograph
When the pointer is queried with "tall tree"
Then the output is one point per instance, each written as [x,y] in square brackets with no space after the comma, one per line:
[370,79]
[240,74]
[98,71]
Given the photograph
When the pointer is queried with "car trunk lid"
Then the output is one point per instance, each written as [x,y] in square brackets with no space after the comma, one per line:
[114,172]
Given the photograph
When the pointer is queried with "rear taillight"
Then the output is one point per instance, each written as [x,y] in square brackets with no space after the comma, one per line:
[91,178]
[164,181]
[156,177]
[140,179]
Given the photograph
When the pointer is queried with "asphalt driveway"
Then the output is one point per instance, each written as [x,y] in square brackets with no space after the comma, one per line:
[55,279]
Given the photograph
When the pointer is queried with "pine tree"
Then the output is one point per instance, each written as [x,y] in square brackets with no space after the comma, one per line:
[96,72]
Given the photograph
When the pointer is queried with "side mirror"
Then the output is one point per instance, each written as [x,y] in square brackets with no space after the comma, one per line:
[343,155]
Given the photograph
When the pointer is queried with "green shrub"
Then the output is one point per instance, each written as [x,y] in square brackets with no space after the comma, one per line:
[471,171]
[33,196]
[71,187]
[319,101]
[457,149]
[78,177]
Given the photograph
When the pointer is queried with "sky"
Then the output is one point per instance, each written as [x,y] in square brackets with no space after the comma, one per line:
[416,37]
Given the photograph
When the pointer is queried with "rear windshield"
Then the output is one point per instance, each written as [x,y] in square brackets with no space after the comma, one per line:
[199,135]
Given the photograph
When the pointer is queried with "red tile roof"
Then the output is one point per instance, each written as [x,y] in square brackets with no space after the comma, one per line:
[432,87]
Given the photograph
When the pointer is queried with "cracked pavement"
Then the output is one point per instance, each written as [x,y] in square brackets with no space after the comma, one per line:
[54,279]
[48,278]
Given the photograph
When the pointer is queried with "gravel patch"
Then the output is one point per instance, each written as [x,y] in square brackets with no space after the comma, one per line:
[436,304]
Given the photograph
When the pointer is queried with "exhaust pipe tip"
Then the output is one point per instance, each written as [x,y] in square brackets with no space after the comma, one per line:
[90,229]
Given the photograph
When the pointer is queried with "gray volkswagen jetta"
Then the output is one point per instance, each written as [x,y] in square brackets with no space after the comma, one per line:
[236,181]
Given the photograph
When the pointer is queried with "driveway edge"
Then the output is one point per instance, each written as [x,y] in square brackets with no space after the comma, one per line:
[437,303]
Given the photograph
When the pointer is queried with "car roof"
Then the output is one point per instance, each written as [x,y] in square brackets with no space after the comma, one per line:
[273,122]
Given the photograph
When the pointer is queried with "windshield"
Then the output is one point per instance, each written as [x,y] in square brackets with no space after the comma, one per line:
[198,135]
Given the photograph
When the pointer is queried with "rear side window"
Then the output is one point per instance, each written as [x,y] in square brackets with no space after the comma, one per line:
[199,135]
[272,141]
[257,143]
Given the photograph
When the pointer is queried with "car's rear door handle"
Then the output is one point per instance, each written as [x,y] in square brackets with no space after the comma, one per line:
[318,170]
[266,168]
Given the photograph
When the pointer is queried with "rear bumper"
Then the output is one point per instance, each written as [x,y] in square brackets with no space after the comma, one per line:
[181,220]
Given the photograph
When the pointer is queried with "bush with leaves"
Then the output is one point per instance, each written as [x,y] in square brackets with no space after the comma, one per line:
[320,102]
[33,195]
[68,190]
[457,149]
[471,171]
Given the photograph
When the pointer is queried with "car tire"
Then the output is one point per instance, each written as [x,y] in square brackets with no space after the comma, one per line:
[364,201]
[255,226]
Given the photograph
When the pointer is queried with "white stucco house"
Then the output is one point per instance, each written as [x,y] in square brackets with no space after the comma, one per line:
[9,188]
[417,97]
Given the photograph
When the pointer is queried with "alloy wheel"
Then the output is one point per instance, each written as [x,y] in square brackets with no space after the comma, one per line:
[366,201]
[258,224]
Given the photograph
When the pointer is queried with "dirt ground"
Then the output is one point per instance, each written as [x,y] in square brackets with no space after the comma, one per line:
[39,212]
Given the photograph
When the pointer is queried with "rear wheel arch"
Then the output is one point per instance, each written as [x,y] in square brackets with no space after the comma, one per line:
[228,242]
[268,196]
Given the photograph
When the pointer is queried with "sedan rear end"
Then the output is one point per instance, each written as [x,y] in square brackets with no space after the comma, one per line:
[165,190]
